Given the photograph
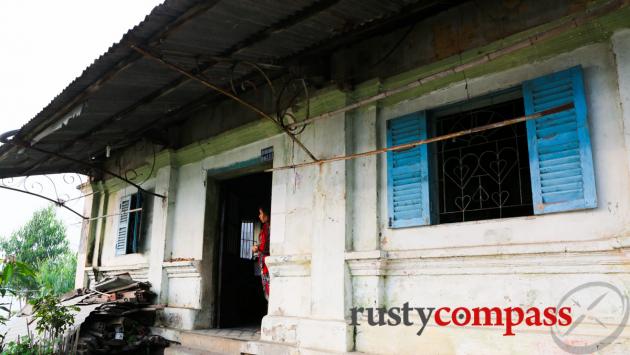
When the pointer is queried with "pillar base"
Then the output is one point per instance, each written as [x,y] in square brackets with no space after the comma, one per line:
[317,334]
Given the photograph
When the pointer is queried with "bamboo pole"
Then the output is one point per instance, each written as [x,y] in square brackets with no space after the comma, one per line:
[58,203]
[106,215]
[433,139]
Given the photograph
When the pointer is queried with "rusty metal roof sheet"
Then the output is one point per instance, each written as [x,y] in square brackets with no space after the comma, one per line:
[122,93]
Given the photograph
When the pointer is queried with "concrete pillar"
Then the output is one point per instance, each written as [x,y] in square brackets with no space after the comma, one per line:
[163,211]
[311,226]
[181,249]
[99,232]
[330,281]
[365,260]
[88,229]
[364,182]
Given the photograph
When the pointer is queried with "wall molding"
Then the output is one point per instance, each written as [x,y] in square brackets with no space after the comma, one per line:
[289,265]
[182,269]
[611,256]
[138,272]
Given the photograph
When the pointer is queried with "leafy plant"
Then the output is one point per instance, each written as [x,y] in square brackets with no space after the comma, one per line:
[26,346]
[39,245]
[10,269]
[52,317]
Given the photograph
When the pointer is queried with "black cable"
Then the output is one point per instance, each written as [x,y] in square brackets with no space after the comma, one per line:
[152,166]
[394,47]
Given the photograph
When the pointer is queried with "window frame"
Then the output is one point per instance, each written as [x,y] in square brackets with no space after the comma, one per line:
[135,219]
[577,97]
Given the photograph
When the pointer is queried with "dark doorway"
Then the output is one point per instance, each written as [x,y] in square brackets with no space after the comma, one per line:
[241,301]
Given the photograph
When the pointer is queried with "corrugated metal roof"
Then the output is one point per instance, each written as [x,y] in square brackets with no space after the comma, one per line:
[135,96]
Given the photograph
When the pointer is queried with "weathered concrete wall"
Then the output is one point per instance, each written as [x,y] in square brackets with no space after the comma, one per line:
[606,129]
[314,206]
[468,26]
[189,217]
[529,261]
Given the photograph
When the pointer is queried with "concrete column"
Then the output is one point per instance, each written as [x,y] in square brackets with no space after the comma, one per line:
[163,211]
[330,281]
[310,282]
[366,260]
[182,250]
[621,48]
[86,243]
[99,227]
[363,203]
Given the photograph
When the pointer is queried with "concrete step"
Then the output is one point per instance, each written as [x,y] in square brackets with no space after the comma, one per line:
[183,350]
[212,343]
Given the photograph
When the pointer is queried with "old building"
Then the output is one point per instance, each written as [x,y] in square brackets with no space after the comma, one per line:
[216,107]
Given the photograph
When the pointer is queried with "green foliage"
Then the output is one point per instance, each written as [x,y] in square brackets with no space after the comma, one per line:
[26,346]
[39,245]
[56,275]
[43,237]
[52,317]
[9,269]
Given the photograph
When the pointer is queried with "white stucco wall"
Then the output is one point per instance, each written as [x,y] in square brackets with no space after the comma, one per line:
[609,219]
[527,261]
[331,247]
[187,233]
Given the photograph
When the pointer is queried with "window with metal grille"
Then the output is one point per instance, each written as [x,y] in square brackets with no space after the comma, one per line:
[544,165]
[247,239]
[483,175]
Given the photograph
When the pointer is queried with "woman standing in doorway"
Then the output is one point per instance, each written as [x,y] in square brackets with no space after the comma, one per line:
[262,249]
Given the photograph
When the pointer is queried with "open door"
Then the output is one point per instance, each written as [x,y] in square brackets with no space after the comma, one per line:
[240,298]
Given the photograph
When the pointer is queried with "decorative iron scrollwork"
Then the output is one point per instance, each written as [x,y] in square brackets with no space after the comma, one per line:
[486,174]
[61,189]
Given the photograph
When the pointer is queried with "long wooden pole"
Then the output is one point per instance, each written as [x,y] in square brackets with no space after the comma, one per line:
[58,203]
[433,139]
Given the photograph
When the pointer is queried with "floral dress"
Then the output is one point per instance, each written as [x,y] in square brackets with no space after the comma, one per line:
[263,252]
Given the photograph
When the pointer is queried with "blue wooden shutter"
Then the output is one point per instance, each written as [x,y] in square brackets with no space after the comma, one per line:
[560,157]
[123,225]
[407,172]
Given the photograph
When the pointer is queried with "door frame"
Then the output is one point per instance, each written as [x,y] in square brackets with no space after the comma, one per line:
[217,176]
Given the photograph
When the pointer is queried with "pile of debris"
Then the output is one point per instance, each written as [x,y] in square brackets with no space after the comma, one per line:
[120,323]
